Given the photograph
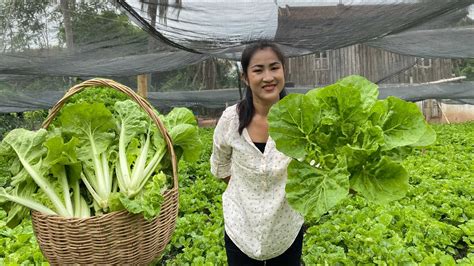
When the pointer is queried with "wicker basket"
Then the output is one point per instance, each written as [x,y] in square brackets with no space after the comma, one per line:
[113,238]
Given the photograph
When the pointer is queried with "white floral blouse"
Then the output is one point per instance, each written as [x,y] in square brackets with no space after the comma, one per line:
[257,216]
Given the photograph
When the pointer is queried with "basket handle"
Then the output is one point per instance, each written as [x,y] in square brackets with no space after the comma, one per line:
[138,99]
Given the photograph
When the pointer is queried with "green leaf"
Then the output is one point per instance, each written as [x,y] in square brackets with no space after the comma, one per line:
[85,119]
[368,91]
[403,124]
[131,120]
[92,124]
[347,101]
[179,115]
[291,121]
[133,151]
[180,124]
[366,142]
[428,137]
[24,144]
[60,152]
[382,181]
[186,137]
[313,191]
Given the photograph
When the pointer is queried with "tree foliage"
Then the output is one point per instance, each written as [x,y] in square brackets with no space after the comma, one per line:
[24,25]
[465,68]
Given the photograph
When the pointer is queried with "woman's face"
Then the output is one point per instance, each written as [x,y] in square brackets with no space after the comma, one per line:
[265,76]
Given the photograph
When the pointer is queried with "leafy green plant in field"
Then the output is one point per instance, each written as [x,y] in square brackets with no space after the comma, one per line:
[31,120]
[340,138]
[432,225]
[197,240]
[199,235]
[18,245]
[372,234]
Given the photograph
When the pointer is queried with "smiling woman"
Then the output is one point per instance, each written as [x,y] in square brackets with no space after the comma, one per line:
[265,77]
[263,73]
[260,226]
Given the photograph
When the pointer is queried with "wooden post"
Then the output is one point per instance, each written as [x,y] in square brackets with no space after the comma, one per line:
[142,89]
[429,109]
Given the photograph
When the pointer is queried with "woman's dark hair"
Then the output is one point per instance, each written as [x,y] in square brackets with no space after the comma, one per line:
[245,107]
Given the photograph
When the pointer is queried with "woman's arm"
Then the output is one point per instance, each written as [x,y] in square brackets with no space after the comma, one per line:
[221,150]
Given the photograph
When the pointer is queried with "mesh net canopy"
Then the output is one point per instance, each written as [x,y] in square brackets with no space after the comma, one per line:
[48,45]
[221,28]
[460,93]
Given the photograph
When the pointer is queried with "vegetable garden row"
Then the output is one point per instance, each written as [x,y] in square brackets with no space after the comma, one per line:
[432,225]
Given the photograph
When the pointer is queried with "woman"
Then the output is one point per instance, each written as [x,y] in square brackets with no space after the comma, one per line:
[260,226]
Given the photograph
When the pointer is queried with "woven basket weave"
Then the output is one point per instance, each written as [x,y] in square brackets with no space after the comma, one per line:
[113,238]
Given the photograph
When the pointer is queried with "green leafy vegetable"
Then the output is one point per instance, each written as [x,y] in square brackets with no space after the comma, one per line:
[96,157]
[342,137]
[26,147]
[92,125]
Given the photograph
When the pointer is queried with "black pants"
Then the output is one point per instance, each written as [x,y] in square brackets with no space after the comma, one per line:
[292,256]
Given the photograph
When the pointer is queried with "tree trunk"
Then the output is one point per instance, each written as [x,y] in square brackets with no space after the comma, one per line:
[154,7]
[206,75]
[145,79]
[65,6]
[152,10]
